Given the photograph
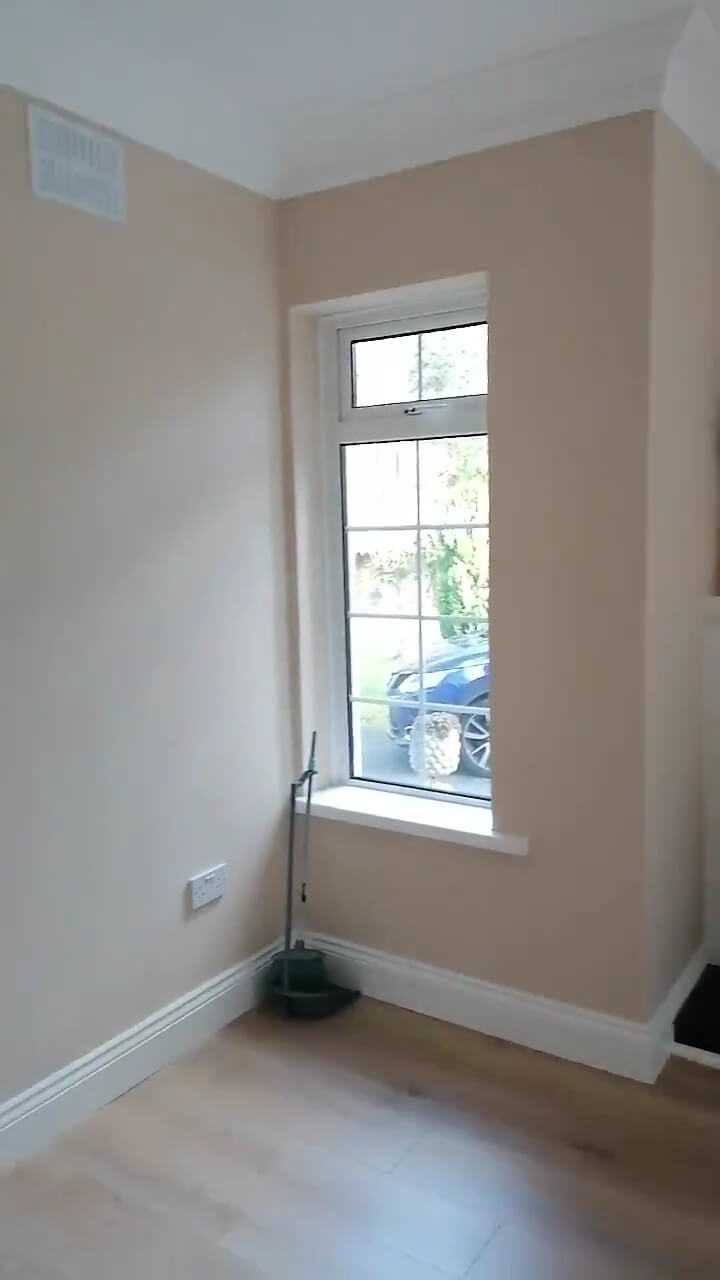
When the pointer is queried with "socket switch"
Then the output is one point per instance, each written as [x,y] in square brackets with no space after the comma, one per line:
[208,885]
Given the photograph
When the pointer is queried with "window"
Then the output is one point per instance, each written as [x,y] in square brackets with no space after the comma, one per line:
[420,367]
[415,553]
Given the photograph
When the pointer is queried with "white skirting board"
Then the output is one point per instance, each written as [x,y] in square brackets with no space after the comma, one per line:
[636,1050]
[29,1120]
[633,1049]
[699,1056]
[662,1020]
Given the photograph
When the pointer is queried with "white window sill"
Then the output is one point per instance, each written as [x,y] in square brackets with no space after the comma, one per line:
[415,815]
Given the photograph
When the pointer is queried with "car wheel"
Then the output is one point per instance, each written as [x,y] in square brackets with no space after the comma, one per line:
[475,743]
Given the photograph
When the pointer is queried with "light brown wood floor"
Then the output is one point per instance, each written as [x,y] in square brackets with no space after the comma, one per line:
[377,1146]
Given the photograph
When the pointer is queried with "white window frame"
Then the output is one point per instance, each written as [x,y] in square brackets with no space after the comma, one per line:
[344,424]
[384,413]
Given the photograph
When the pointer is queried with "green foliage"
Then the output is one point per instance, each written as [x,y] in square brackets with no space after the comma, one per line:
[393,570]
[456,559]
[459,581]
[454,489]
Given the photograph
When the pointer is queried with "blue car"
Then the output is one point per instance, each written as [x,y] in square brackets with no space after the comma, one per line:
[457,673]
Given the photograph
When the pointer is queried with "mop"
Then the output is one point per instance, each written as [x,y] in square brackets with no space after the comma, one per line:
[299,985]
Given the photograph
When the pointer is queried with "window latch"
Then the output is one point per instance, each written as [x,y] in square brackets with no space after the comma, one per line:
[414,410]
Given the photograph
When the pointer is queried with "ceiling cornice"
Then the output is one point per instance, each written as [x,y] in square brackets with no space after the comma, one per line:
[670,63]
[591,79]
[691,93]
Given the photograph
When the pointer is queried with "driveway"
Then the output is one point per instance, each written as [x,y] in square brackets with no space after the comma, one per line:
[384,759]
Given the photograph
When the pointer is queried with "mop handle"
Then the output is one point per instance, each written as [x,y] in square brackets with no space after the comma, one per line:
[310,773]
[289,890]
[290,868]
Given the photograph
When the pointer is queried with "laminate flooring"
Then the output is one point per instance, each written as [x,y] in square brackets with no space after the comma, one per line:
[378,1145]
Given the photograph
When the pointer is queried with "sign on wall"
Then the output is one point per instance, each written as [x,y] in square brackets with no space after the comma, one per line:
[76,165]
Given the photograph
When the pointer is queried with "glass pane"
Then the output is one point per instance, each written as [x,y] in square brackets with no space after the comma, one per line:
[456,689]
[381,483]
[455,572]
[382,572]
[382,652]
[452,751]
[385,370]
[454,362]
[375,756]
[430,729]
[456,667]
[454,481]
[442,752]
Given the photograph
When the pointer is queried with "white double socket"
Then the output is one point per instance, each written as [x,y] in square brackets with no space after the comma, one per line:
[208,885]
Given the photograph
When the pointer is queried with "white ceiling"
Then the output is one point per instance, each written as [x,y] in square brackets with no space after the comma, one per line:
[291,95]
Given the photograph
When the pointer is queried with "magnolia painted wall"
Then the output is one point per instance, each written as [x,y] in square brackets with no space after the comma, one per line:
[146,512]
[562,225]
[711,757]
[144,731]
[680,552]
[603,254]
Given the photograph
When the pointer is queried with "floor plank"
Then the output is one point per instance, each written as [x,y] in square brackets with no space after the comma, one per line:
[518,1252]
[376,1146]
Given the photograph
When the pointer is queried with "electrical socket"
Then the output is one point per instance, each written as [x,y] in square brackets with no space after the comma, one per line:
[208,885]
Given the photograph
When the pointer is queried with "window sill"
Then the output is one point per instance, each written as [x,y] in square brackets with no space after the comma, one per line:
[416,816]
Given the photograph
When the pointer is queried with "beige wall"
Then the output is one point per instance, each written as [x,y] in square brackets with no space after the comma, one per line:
[684,403]
[562,226]
[144,595]
[143,652]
